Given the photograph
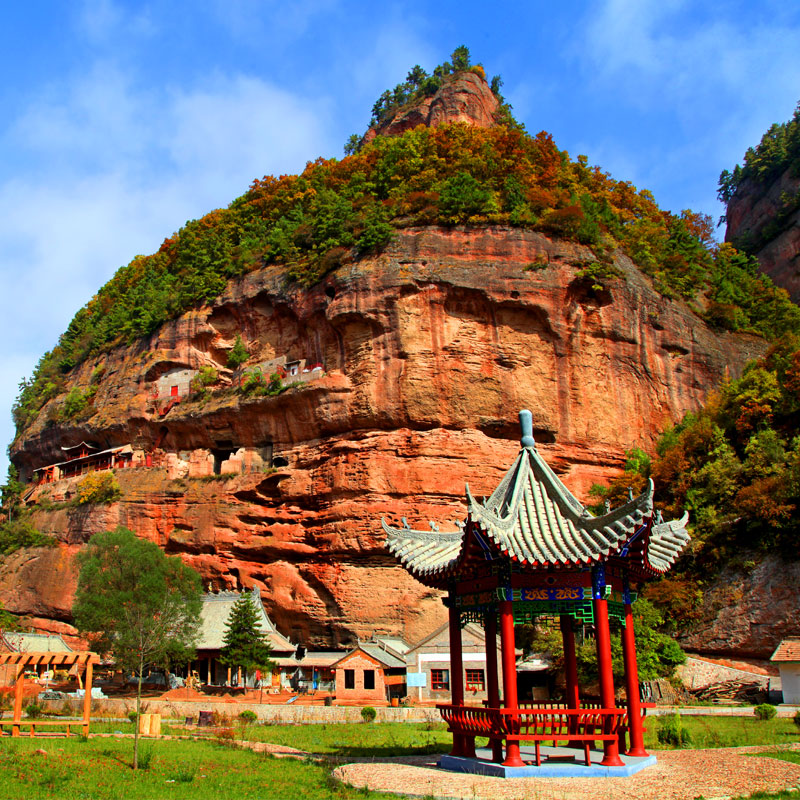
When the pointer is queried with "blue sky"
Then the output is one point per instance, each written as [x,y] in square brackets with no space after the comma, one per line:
[121,120]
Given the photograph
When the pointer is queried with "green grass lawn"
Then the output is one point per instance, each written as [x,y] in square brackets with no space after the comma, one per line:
[99,769]
[717,731]
[357,738]
[410,738]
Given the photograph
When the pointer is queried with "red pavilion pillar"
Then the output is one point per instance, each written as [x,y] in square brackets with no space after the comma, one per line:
[632,683]
[570,668]
[508,646]
[604,665]
[462,745]
[492,677]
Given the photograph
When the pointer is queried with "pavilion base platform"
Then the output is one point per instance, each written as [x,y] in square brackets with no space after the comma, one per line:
[557,762]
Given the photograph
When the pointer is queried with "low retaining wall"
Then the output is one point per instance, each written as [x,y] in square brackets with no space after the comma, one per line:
[277,714]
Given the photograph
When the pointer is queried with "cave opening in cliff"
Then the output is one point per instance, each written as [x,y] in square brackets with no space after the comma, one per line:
[222,452]
[280,461]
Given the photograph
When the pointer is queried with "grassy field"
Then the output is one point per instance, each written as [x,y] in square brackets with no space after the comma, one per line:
[357,738]
[379,739]
[99,769]
[718,731]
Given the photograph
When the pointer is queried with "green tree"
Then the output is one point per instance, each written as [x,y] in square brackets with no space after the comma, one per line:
[461,58]
[12,491]
[657,654]
[238,353]
[137,603]
[244,644]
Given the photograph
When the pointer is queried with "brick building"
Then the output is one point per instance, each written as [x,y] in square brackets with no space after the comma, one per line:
[372,672]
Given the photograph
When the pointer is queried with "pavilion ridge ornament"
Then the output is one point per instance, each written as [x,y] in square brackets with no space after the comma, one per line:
[532,551]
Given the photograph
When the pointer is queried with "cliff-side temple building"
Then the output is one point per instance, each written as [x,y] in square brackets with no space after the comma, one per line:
[532,552]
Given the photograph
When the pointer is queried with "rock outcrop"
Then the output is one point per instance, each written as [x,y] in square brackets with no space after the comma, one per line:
[427,352]
[760,220]
[749,609]
[466,98]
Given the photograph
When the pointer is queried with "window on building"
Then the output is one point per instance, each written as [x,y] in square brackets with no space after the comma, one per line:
[369,678]
[349,679]
[440,679]
[475,680]
[173,391]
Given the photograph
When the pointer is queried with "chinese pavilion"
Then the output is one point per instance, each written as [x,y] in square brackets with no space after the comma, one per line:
[532,551]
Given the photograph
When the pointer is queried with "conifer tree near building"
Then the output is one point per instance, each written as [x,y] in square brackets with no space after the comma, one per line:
[245,645]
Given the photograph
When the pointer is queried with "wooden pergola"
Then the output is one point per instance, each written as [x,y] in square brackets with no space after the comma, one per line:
[532,551]
[82,661]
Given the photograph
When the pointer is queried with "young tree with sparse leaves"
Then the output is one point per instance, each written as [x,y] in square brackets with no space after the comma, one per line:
[244,644]
[238,353]
[138,603]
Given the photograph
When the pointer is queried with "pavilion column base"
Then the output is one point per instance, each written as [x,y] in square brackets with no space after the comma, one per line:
[637,752]
[611,757]
[513,758]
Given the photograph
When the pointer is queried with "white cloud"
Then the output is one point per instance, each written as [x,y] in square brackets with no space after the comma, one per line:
[105,170]
[662,54]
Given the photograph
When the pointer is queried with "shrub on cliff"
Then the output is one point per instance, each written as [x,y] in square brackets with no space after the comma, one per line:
[19,533]
[98,487]
[256,385]
[206,376]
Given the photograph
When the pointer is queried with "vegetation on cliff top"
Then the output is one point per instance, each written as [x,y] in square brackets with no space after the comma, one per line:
[777,152]
[735,467]
[336,212]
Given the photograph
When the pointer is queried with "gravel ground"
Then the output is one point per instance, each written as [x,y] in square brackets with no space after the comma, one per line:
[678,775]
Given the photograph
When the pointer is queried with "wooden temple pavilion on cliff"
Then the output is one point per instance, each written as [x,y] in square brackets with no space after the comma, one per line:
[532,551]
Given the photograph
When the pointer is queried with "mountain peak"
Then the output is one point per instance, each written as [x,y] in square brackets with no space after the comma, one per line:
[464,97]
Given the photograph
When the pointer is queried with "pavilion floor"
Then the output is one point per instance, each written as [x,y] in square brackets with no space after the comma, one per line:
[557,762]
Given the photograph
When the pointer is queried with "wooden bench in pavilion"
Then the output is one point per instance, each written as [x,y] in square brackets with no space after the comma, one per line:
[82,661]
[532,551]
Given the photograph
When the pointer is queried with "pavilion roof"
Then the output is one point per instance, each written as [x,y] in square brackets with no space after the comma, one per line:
[534,519]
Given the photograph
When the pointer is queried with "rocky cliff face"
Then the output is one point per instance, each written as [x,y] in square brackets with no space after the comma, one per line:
[749,609]
[428,350]
[759,215]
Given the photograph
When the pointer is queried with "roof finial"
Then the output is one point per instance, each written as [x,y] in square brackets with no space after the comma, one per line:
[526,424]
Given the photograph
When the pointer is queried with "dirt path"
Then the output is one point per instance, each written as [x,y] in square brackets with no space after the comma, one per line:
[678,775]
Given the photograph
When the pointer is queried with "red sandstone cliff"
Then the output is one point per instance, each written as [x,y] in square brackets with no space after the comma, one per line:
[757,213]
[428,352]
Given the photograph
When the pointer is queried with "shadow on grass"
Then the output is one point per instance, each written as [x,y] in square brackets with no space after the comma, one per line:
[387,751]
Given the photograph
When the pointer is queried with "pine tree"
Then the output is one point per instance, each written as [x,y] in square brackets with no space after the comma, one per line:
[244,644]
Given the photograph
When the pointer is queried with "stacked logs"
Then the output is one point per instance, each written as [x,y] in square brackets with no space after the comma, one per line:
[734,691]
